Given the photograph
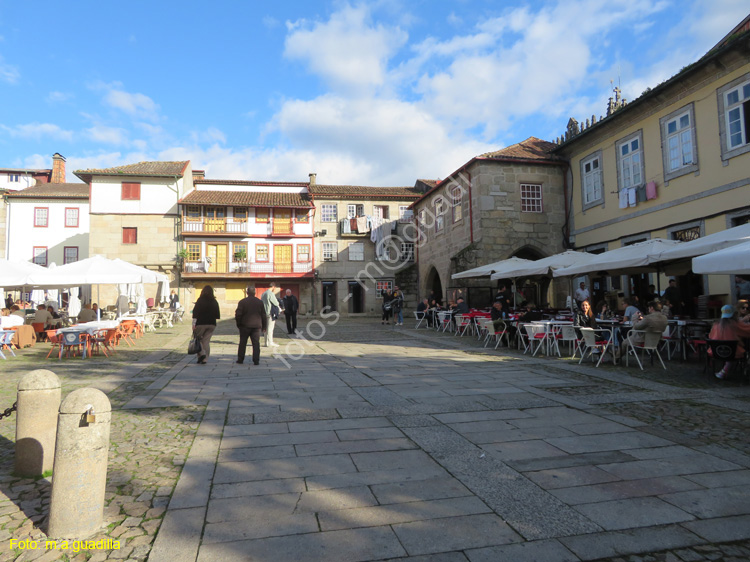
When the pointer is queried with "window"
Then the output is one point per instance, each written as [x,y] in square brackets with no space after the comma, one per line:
[329,212]
[383,287]
[422,225]
[356,251]
[456,209]
[303,253]
[193,213]
[353,211]
[131,191]
[41,217]
[630,162]
[240,214]
[194,251]
[14,178]
[734,121]
[129,235]
[71,217]
[261,253]
[330,251]
[262,214]
[439,210]
[591,180]
[40,255]
[678,143]
[381,211]
[405,214]
[302,216]
[531,198]
[407,251]
[239,251]
[70,254]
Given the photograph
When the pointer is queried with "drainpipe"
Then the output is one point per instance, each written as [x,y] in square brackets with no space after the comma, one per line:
[471,211]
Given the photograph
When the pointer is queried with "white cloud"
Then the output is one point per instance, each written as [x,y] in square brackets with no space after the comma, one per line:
[136,105]
[347,51]
[108,135]
[59,97]
[8,72]
[209,136]
[38,131]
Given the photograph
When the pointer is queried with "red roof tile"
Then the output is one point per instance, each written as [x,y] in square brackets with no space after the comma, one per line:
[247,199]
[154,169]
[250,183]
[318,190]
[532,148]
[53,190]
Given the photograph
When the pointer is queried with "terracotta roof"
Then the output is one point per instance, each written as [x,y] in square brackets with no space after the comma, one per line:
[431,183]
[318,190]
[156,169]
[48,190]
[250,183]
[532,148]
[247,199]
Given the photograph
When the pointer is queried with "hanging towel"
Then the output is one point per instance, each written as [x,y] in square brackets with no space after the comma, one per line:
[623,199]
[362,224]
[632,197]
[353,225]
[345,226]
[651,190]
[641,193]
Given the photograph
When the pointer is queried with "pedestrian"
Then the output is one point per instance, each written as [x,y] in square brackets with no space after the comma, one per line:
[271,308]
[581,294]
[397,305]
[174,300]
[8,301]
[251,320]
[672,293]
[205,314]
[503,295]
[290,304]
[387,310]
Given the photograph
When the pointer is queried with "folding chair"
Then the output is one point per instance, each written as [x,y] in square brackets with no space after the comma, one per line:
[444,321]
[55,340]
[670,339]
[649,345]
[568,334]
[537,334]
[593,340]
[463,323]
[127,327]
[71,340]
[6,342]
[420,317]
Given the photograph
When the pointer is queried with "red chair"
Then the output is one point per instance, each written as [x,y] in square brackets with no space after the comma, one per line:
[104,340]
[54,339]
[125,331]
[39,330]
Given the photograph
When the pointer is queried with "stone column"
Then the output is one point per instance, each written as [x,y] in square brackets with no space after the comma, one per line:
[36,422]
[80,476]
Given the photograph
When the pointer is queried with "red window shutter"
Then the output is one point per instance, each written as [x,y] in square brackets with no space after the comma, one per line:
[129,235]
[131,191]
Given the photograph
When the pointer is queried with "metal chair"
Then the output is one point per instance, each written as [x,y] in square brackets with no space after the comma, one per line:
[650,345]
[568,334]
[536,333]
[463,323]
[74,340]
[6,342]
[420,317]
[593,340]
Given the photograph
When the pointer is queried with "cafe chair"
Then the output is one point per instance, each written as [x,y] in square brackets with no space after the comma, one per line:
[6,343]
[593,340]
[497,333]
[670,340]
[568,334]
[696,341]
[419,317]
[39,330]
[723,351]
[75,342]
[55,340]
[463,323]
[650,345]
[444,321]
[537,335]
[126,330]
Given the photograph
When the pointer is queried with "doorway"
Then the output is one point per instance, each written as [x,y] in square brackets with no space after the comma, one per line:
[356,298]
[217,258]
[329,295]
[282,258]
[434,286]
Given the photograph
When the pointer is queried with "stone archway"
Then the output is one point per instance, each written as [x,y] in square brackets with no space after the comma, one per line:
[433,285]
[531,289]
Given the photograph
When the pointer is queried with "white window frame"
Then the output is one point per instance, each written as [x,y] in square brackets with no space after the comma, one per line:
[356,251]
[407,251]
[330,251]
[14,178]
[41,217]
[630,168]
[592,180]
[40,252]
[679,139]
[329,212]
[457,203]
[532,198]
[70,213]
[354,210]
[405,214]
[734,117]
[381,286]
[439,211]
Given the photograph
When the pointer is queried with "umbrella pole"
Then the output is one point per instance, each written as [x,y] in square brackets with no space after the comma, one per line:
[658,281]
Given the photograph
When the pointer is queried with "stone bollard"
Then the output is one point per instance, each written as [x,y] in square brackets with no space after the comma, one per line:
[80,477]
[36,422]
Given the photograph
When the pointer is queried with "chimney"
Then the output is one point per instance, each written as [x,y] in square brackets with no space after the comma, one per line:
[58,168]
[312,178]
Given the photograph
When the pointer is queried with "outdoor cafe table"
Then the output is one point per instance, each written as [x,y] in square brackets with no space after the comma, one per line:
[89,327]
[550,330]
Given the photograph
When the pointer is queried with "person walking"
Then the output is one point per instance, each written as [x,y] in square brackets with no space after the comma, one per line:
[174,300]
[397,305]
[269,302]
[290,304]
[387,307]
[205,314]
[251,320]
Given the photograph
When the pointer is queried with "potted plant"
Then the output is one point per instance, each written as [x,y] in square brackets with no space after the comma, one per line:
[240,256]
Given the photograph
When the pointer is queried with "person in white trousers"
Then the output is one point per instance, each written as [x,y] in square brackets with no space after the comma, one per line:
[269,298]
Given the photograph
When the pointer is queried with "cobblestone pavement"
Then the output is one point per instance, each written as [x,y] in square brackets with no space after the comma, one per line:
[389,443]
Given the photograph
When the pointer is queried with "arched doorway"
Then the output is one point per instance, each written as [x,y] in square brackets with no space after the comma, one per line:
[433,286]
[531,289]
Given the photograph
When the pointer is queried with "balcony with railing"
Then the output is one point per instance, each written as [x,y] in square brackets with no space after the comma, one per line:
[206,268]
[207,225]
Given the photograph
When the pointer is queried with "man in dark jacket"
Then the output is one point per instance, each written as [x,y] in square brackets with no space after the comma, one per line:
[251,320]
[291,307]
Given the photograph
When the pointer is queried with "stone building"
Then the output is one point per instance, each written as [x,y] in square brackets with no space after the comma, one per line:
[501,204]
[362,246]
[673,163]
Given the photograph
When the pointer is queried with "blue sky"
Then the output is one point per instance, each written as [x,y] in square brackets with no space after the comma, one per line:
[366,93]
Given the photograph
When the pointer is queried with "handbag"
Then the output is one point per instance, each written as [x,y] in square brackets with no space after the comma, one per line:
[194,347]
[274,312]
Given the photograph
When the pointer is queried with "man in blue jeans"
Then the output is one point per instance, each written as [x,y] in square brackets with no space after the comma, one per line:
[251,320]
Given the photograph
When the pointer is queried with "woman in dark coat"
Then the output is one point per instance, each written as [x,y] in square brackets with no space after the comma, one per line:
[387,307]
[205,314]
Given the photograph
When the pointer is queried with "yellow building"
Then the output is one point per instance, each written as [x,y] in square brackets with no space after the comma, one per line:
[674,163]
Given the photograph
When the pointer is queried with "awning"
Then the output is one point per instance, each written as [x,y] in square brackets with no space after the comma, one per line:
[706,244]
[735,259]
[636,258]
[546,266]
[492,269]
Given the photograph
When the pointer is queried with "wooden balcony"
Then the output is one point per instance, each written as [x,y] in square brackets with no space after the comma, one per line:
[282,227]
[221,226]
[231,269]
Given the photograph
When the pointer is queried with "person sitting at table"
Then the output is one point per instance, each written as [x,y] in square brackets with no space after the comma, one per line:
[8,320]
[51,310]
[728,328]
[632,312]
[423,311]
[530,315]
[584,318]
[16,310]
[87,314]
[499,317]
[42,316]
[743,311]
[460,307]
[603,311]
[654,321]
[666,308]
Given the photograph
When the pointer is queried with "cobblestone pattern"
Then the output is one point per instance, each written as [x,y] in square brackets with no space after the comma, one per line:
[730,552]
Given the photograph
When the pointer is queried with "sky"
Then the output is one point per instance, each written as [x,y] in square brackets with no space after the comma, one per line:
[365,93]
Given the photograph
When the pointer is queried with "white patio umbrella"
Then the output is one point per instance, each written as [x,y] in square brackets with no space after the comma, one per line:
[494,269]
[706,244]
[15,273]
[96,270]
[732,260]
[636,258]
[74,303]
[546,266]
